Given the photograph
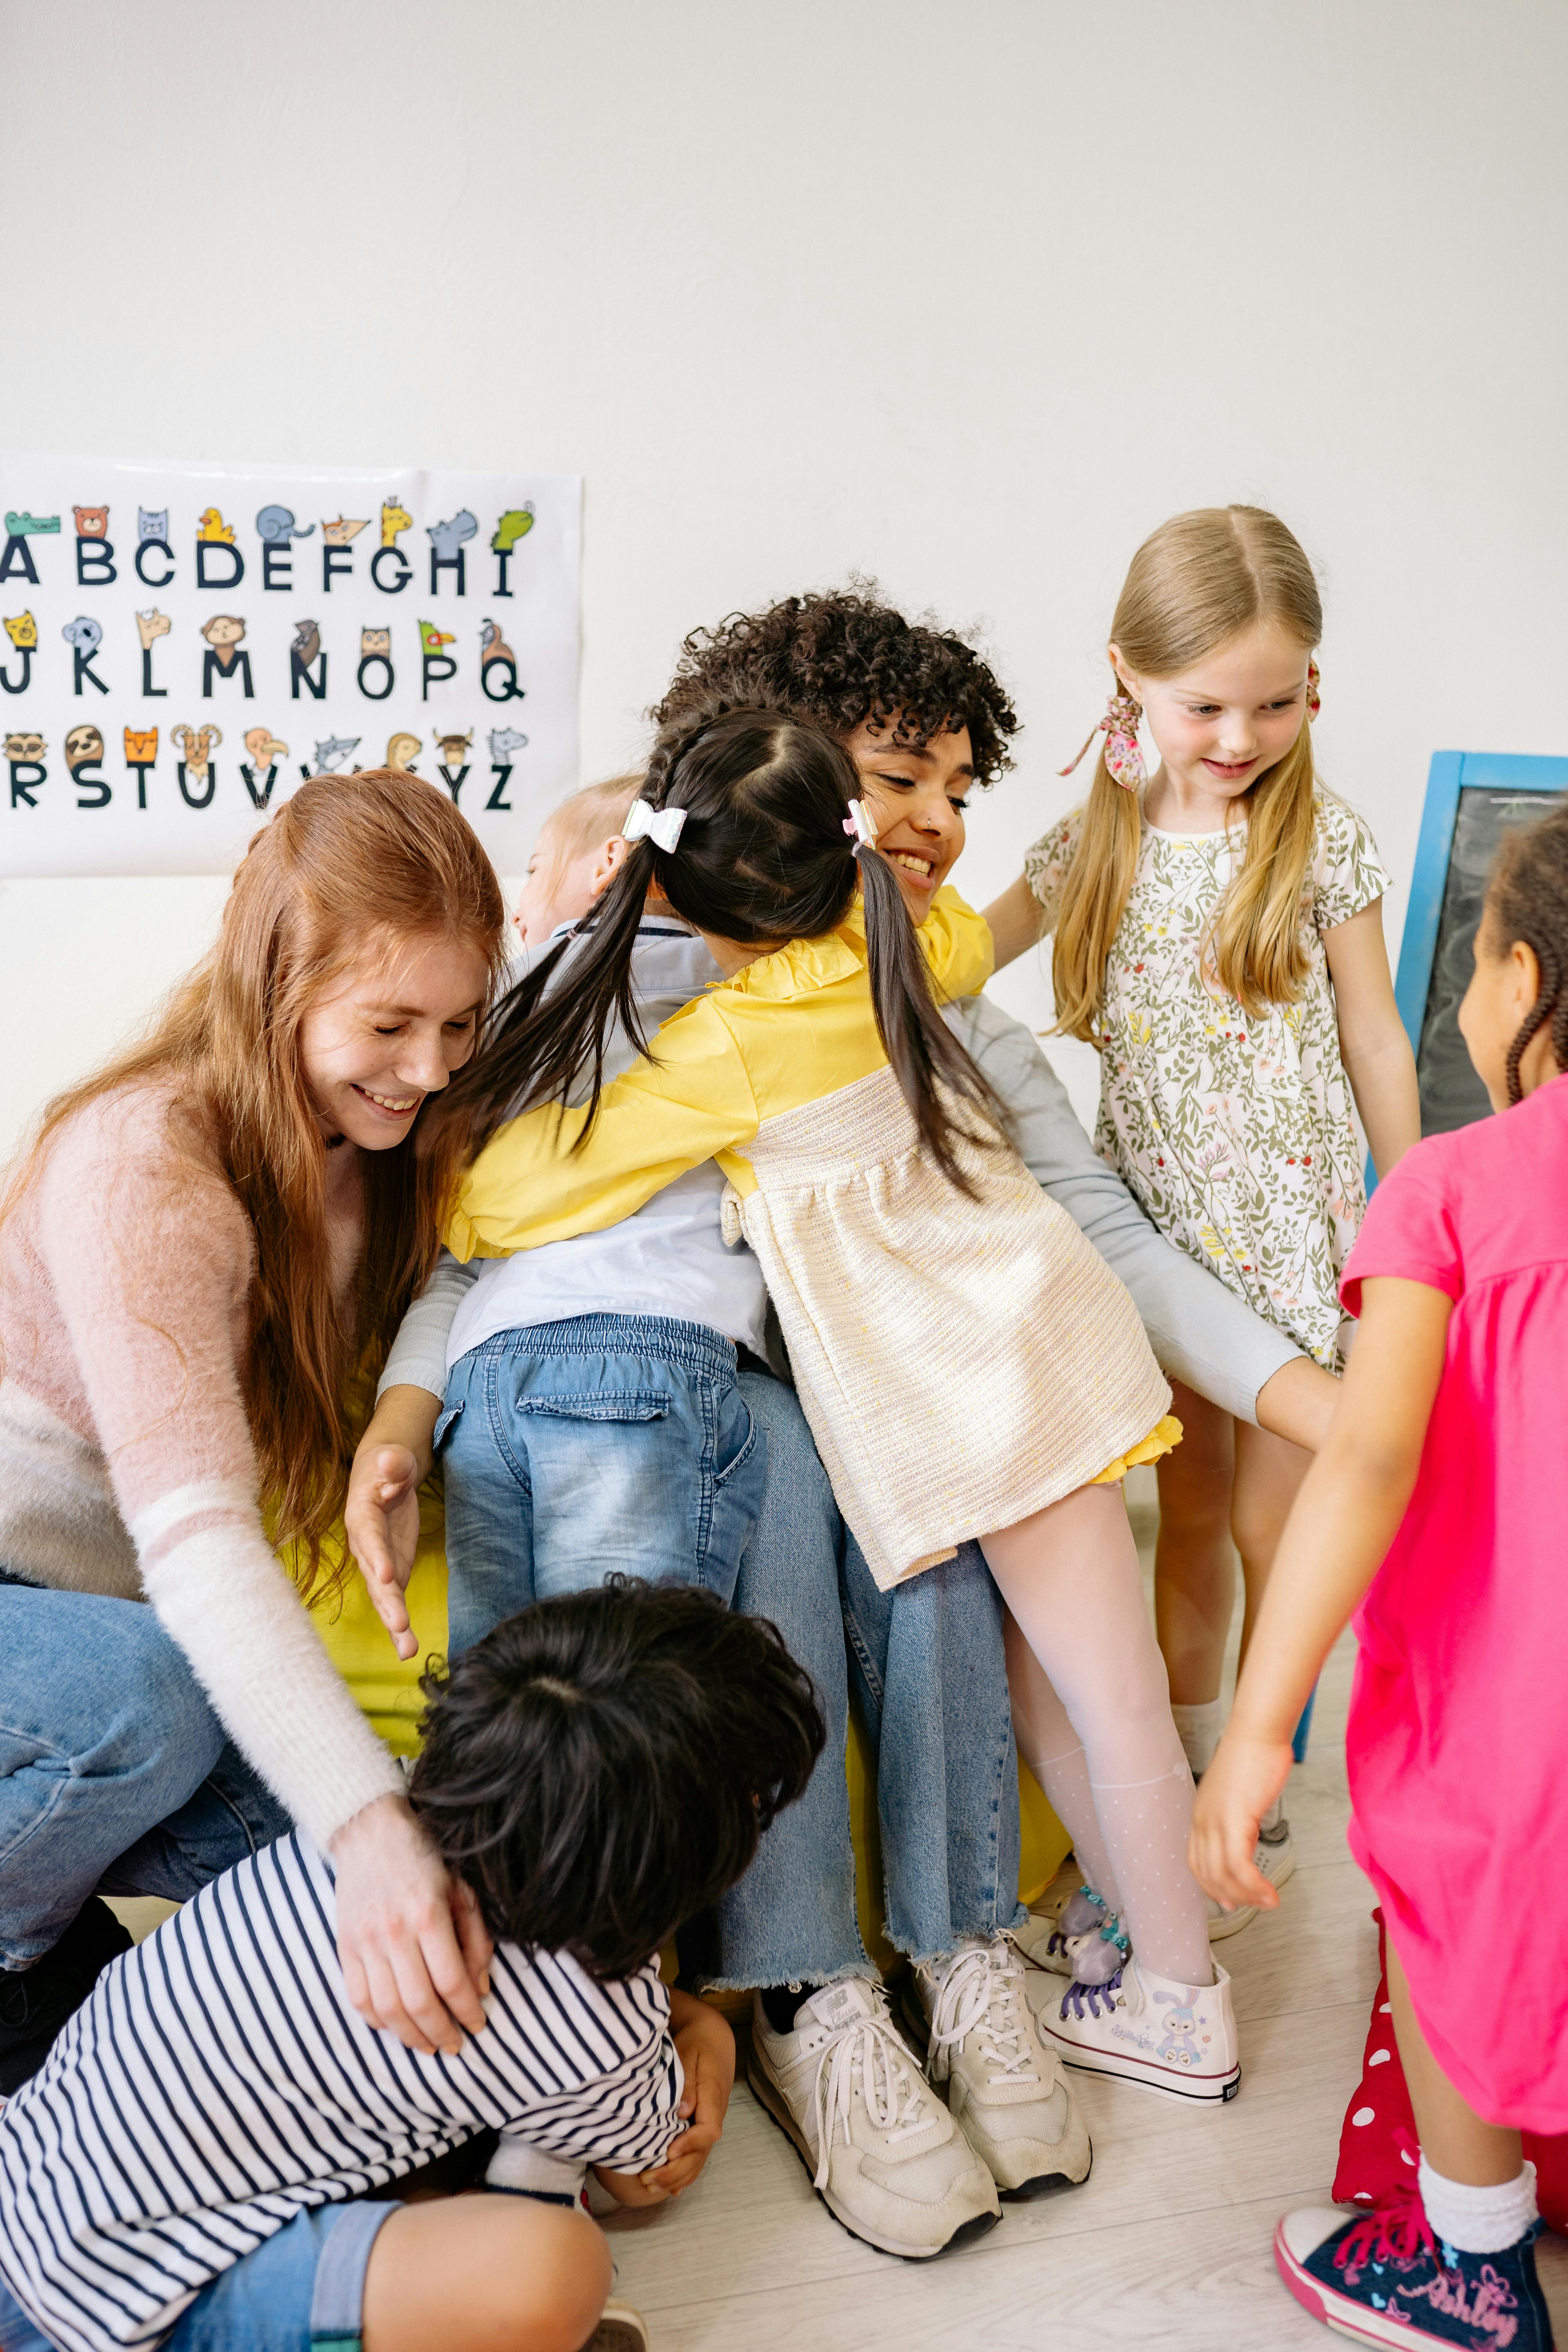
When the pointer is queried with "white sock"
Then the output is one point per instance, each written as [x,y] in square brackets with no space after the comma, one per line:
[1478,2221]
[1198,1728]
[1274,1816]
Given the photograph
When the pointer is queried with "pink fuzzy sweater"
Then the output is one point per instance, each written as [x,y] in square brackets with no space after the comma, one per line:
[126,1465]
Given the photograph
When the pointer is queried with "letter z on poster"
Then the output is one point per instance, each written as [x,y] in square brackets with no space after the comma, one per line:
[181,643]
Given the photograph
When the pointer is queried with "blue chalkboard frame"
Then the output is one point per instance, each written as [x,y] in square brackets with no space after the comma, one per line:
[1450,772]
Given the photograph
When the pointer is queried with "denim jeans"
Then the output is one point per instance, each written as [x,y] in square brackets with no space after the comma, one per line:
[605,1443]
[932,1680]
[301,2291]
[931,1677]
[115,1774]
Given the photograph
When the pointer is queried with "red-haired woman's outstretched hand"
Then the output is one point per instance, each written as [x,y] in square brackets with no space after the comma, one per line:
[380,1516]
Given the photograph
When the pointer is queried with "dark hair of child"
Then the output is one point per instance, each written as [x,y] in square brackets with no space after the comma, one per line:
[846,659]
[601,1766]
[763,858]
[1527,899]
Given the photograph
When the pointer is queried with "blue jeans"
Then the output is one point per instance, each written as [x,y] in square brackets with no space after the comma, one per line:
[301,2289]
[932,1680]
[115,1774]
[575,1449]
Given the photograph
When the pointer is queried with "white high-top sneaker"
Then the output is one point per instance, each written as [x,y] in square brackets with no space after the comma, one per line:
[1177,2038]
[885,2156]
[1275,1856]
[1004,2081]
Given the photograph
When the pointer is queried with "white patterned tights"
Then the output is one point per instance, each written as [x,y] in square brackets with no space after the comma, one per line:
[1092,1709]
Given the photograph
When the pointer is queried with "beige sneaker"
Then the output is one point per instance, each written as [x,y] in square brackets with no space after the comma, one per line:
[1004,2081]
[620,2329]
[1275,1857]
[886,2157]
[1176,2039]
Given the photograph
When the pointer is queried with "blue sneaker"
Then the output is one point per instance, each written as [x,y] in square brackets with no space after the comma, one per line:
[1383,2278]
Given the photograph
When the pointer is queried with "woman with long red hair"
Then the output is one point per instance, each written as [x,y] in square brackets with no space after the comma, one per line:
[200,1246]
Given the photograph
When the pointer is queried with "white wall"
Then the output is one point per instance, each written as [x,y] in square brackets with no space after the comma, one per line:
[968,298]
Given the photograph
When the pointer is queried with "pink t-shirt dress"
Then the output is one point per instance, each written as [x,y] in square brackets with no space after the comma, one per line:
[1458,1741]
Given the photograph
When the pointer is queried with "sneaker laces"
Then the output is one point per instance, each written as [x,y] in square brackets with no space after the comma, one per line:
[1395,2231]
[980,1995]
[890,2084]
[1076,1994]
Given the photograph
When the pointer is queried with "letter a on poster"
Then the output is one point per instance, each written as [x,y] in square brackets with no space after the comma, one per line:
[180,646]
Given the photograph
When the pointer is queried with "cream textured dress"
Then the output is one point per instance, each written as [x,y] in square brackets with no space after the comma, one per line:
[961,1363]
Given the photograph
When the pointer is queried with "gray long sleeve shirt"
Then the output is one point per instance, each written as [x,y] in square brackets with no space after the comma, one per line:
[1200,1331]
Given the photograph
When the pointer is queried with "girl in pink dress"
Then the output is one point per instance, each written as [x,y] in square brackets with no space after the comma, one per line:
[1440,1503]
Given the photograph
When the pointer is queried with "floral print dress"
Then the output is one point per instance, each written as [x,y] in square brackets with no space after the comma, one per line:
[1235,1135]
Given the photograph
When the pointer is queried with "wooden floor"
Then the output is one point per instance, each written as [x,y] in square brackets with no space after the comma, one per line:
[1166,2246]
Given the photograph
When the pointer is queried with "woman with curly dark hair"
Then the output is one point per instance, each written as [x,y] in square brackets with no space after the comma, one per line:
[925,717]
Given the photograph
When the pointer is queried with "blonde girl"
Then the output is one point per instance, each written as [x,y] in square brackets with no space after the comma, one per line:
[1218,936]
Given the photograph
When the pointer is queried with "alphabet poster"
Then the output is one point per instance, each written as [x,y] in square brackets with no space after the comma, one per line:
[184,643]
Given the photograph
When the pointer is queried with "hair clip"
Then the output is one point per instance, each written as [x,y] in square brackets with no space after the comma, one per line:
[1314,699]
[661,826]
[860,823]
[1124,760]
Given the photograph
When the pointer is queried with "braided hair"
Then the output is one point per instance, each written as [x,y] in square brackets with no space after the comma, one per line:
[763,858]
[1527,899]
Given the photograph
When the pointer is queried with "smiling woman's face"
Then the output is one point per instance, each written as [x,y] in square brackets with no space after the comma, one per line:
[916,799]
[390,1032]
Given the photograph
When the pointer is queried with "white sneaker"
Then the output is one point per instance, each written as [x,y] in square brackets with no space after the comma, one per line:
[1177,2038]
[1004,2081]
[620,2329]
[885,2156]
[1275,1856]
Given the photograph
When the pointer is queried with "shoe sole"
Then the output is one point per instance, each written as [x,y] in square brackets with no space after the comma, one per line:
[1215,2091]
[917,2033]
[1337,2311]
[768,2099]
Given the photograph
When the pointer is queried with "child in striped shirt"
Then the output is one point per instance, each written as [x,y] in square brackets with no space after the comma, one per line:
[211,2152]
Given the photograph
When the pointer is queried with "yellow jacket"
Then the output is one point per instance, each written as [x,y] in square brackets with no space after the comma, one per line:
[789,1029]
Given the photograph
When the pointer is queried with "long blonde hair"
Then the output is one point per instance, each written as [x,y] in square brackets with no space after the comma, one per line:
[348,863]
[1193,584]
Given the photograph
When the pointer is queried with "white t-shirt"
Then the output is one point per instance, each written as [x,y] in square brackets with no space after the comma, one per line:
[669,1259]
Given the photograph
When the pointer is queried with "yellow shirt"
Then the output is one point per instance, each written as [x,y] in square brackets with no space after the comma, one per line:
[789,1029]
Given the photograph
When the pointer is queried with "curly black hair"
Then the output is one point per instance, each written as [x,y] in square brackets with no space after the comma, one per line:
[846,658]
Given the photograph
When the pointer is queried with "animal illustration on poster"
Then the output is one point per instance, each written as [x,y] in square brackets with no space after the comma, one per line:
[152,609]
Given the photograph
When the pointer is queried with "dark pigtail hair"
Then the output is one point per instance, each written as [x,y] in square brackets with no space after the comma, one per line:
[1528,901]
[763,858]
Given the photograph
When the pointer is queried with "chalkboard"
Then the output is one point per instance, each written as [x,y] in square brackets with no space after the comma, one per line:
[1472,799]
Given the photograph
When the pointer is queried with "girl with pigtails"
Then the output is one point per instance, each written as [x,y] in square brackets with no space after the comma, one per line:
[968,1364]
[1217,935]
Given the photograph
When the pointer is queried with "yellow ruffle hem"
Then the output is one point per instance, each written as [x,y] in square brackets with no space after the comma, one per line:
[1163,1438]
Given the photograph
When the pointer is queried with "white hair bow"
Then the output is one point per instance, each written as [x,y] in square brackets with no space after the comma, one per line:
[662,826]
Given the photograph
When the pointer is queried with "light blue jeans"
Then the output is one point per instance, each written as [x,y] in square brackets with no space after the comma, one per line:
[931,1679]
[301,2291]
[605,1443]
[115,1774]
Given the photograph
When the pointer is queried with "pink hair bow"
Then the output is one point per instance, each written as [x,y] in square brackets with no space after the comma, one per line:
[1124,760]
[1314,699]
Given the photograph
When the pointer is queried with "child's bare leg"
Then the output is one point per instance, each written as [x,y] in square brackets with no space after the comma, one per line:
[487,2273]
[1069,1574]
[1194,1569]
[1269,1471]
[1054,1754]
[1453,2141]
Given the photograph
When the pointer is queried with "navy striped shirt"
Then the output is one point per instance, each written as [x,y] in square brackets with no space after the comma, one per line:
[219,2081]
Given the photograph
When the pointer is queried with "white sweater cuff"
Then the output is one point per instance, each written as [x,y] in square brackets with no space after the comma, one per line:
[223,1595]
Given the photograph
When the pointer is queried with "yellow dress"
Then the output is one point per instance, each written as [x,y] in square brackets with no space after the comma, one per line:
[962,1363]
